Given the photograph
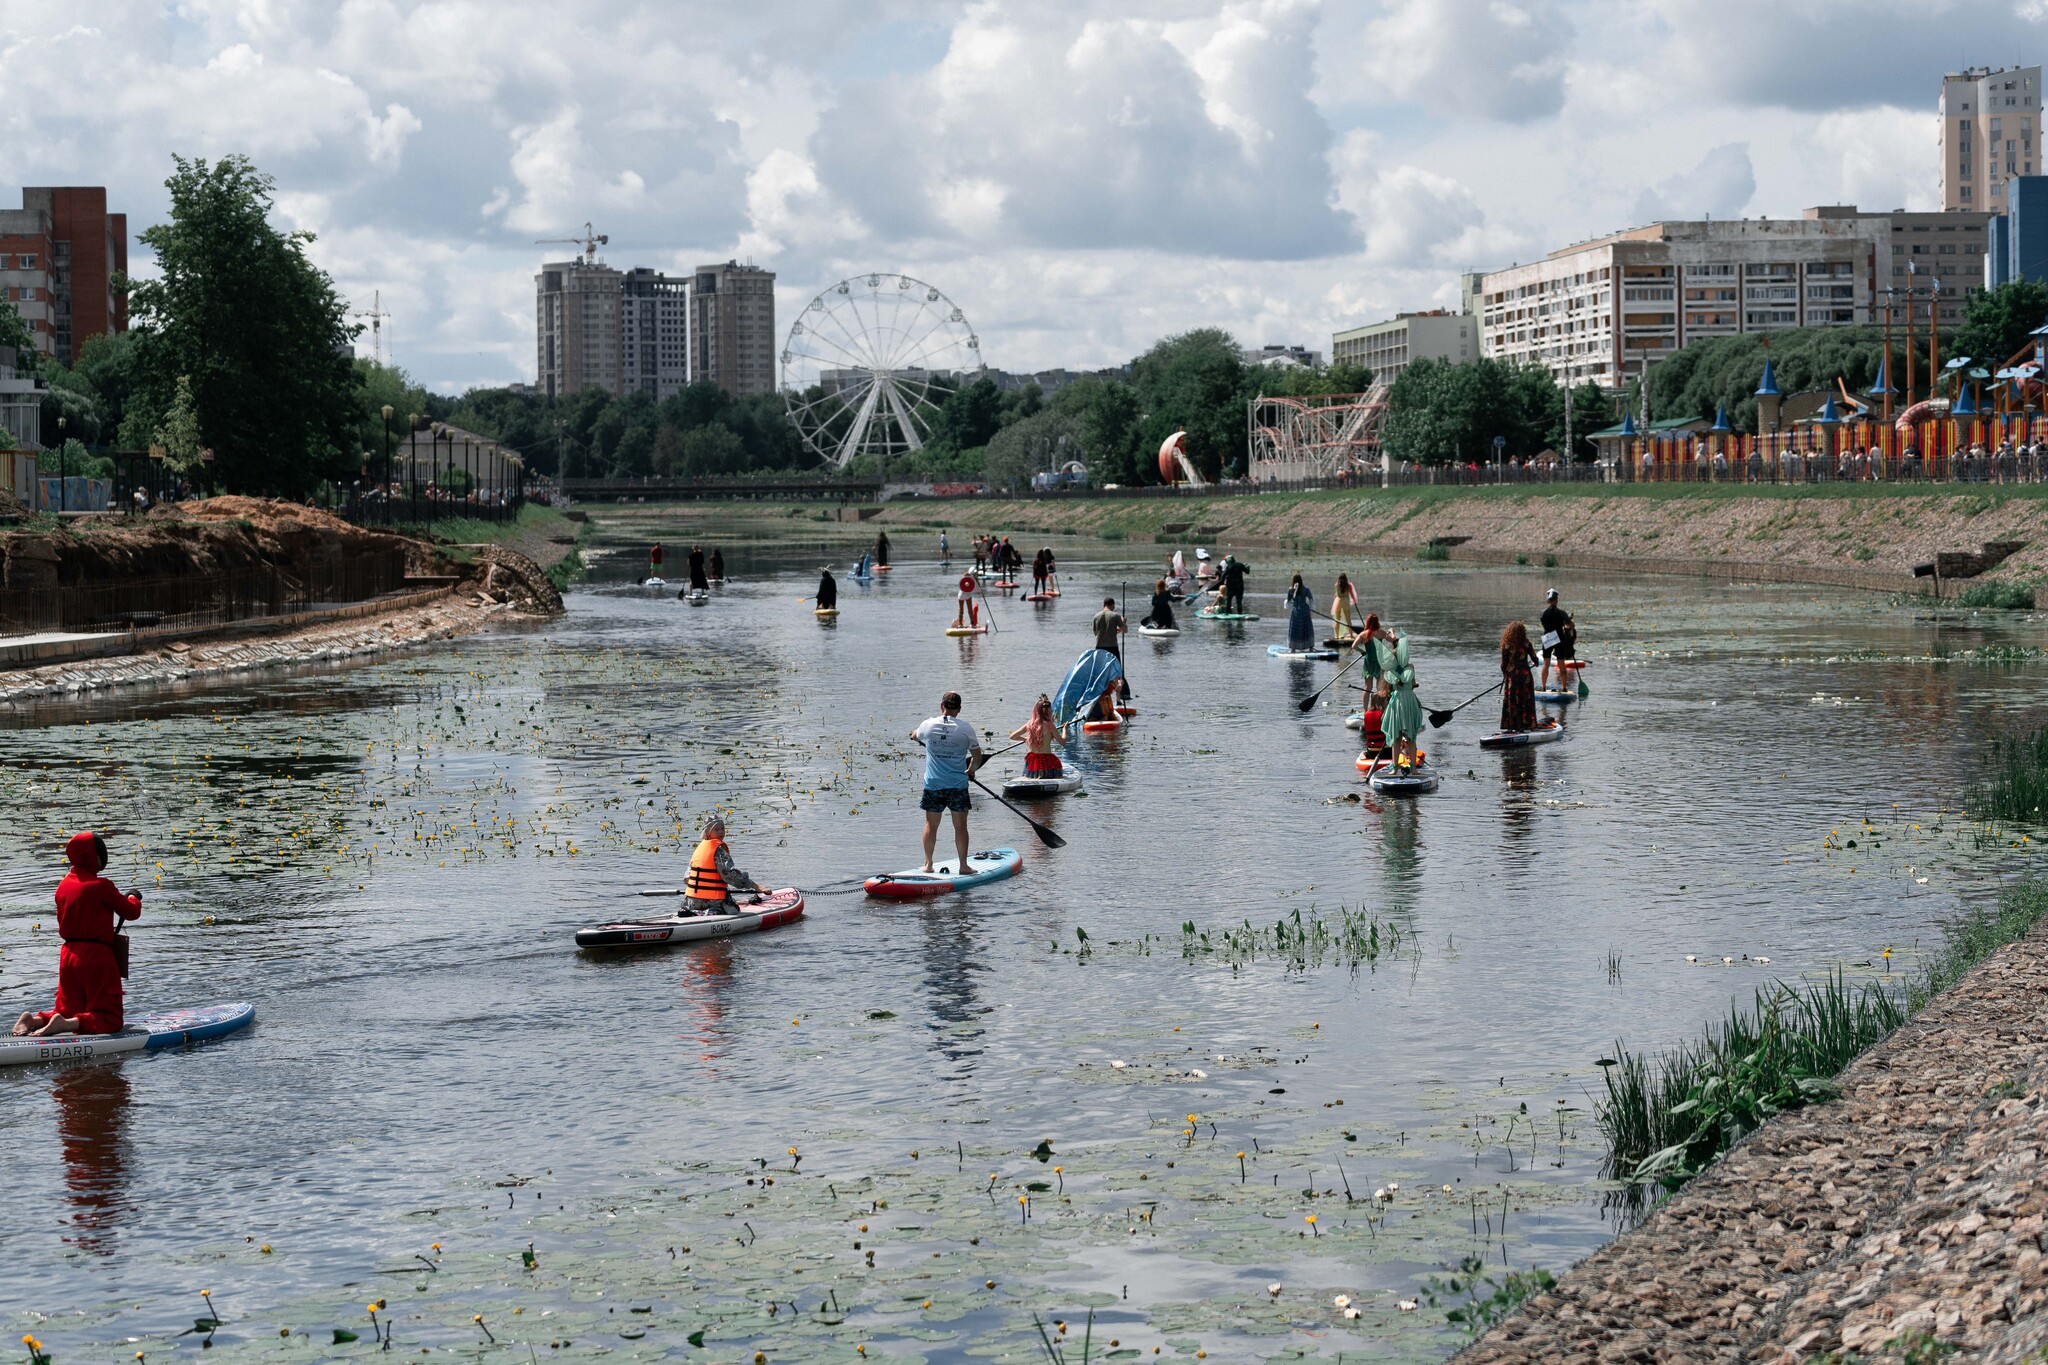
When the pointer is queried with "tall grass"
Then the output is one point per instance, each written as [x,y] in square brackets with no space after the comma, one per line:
[1667,1118]
[2003,596]
[2017,788]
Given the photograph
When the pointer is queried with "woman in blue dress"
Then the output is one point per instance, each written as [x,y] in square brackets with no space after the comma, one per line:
[1301,623]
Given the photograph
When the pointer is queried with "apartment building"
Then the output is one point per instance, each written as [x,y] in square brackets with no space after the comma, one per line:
[1603,309]
[1989,120]
[59,255]
[1387,348]
[732,328]
[578,340]
[654,333]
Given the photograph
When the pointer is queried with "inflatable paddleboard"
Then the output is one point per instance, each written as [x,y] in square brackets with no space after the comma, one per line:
[1101,727]
[145,1033]
[1040,596]
[1127,711]
[653,582]
[826,613]
[966,630]
[1042,784]
[1557,698]
[1389,780]
[1207,615]
[990,865]
[764,912]
[884,568]
[1159,632]
[1283,652]
[1004,583]
[1520,739]
[1354,720]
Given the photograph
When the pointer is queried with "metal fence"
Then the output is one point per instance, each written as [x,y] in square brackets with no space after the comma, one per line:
[201,599]
[420,505]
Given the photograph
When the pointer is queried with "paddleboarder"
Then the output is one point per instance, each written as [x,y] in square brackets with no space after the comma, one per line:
[1560,639]
[697,580]
[1234,572]
[828,589]
[1301,621]
[945,550]
[1038,734]
[92,961]
[952,752]
[1517,693]
[712,879]
[1344,610]
[1039,570]
[1160,616]
[717,565]
[967,612]
[1109,627]
[981,554]
[881,549]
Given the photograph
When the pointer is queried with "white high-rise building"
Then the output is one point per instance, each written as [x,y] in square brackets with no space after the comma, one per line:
[654,333]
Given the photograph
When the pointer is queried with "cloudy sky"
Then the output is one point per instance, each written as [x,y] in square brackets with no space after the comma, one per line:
[1081,178]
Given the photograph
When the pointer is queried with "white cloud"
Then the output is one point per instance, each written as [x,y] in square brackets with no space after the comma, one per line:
[1505,59]
[1720,186]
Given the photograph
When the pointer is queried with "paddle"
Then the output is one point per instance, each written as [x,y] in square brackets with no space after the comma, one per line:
[1046,835]
[1308,703]
[1123,664]
[1439,719]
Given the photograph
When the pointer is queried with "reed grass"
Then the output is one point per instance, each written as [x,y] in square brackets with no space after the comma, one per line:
[1666,1118]
[2001,596]
[1351,937]
[2017,788]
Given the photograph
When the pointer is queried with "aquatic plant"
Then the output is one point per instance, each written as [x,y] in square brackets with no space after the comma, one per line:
[1433,552]
[1352,937]
[1666,1119]
[1999,596]
[2017,788]
[1479,1314]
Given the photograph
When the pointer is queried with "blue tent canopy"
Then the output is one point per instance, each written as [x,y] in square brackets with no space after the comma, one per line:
[1088,679]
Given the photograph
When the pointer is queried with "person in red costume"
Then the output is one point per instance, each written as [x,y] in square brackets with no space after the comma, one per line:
[89,909]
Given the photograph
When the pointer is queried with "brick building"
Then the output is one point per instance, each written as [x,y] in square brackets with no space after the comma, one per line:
[60,253]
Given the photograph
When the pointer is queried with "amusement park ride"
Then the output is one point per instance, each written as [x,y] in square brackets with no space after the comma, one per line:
[1321,436]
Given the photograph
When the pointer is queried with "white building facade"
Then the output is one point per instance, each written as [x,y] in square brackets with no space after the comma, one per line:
[1387,348]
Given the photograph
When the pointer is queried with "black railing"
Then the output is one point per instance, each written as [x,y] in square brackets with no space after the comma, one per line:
[777,486]
[202,599]
[420,506]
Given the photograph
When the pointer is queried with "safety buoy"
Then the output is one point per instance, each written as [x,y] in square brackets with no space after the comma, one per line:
[967,583]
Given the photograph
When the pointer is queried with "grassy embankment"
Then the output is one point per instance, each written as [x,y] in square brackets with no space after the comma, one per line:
[1667,1118]
[535,527]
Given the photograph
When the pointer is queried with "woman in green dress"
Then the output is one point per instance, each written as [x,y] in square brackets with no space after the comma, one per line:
[1402,720]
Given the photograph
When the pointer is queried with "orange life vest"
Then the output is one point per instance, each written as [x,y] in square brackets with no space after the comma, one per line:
[705,882]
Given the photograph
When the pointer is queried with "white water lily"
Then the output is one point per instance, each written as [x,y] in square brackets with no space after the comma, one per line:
[1351,1313]
[1197,1074]
[1764,961]
[1381,1194]
[1274,1290]
[1447,1189]
[1407,1305]
[1342,1301]
[1692,957]
[1118,1066]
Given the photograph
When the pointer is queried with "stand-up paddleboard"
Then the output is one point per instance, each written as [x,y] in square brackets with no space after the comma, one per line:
[1208,615]
[1334,643]
[990,865]
[966,630]
[1040,596]
[1127,711]
[1283,652]
[763,912]
[1101,727]
[145,1033]
[1004,583]
[1558,696]
[884,568]
[1389,780]
[1574,665]
[826,613]
[1355,720]
[1042,784]
[653,582]
[1159,632]
[697,597]
[1522,739]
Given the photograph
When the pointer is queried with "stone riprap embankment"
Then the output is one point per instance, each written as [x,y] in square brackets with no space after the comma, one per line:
[1910,1209]
[1861,538]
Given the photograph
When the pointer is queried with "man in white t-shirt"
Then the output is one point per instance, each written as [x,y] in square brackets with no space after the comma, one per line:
[952,752]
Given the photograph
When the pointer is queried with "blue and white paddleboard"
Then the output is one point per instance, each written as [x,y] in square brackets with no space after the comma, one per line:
[990,865]
[1283,652]
[145,1033]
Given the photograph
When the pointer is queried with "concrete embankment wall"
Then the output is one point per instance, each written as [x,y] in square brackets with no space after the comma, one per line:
[1914,1206]
[1849,538]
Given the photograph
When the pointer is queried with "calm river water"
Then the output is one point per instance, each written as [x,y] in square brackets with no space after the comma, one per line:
[390,860]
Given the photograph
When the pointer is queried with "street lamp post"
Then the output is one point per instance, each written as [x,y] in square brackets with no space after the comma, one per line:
[63,483]
[385,482]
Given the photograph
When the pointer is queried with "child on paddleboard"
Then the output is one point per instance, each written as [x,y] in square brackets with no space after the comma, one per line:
[93,959]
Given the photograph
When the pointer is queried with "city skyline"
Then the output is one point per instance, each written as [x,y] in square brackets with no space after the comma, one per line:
[1081,186]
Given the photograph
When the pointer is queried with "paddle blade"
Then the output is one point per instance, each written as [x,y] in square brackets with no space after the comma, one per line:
[1309,703]
[1584,691]
[1439,719]
[1046,836]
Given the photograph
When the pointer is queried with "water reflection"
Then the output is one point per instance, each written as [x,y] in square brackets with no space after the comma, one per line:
[92,1134]
[956,1004]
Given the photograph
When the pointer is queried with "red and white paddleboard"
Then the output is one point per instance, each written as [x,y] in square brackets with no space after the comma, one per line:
[771,911]
[990,865]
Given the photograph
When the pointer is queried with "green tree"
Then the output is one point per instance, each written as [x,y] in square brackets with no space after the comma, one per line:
[103,377]
[1998,323]
[1031,445]
[258,332]
[1110,418]
[1195,382]
[178,436]
[379,387]
[14,331]
[1443,412]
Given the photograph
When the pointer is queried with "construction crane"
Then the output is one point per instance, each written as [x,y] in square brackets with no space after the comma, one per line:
[590,241]
[376,314]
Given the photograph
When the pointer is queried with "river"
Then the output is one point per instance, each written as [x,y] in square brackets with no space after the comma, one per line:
[1015,1120]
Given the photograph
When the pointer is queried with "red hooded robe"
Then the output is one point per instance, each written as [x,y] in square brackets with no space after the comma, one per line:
[88,909]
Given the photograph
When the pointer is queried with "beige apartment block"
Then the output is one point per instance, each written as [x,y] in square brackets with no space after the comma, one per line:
[1603,310]
[578,338]
[1387,348]
[1989,121]
[732,328]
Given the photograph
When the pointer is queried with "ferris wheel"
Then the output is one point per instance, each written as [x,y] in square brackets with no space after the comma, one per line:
[868,362]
